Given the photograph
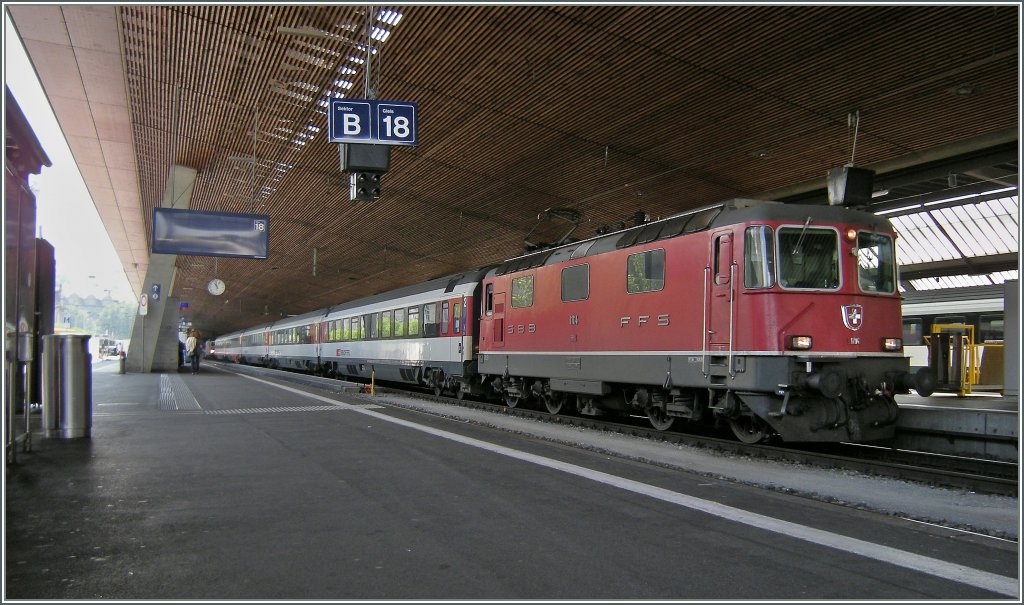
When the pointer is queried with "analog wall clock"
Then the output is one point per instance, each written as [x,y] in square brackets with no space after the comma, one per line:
[216,287]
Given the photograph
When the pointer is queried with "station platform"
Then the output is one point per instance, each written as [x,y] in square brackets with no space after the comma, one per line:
[985,425]
[230,486]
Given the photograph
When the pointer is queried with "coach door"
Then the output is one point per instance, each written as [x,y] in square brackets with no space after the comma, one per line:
[719,285]
[459,326]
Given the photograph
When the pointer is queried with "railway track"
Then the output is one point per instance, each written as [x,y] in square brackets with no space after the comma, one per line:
[973,474]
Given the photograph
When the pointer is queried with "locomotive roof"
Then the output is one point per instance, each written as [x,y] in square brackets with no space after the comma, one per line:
[704,218]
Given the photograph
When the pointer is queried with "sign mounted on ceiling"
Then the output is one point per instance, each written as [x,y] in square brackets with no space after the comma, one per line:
[372,122]
[198,233]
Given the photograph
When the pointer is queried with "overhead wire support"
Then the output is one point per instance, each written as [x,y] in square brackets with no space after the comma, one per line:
[853,121]
[369,86]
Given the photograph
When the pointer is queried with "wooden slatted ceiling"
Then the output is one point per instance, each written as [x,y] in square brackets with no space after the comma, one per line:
[605,109]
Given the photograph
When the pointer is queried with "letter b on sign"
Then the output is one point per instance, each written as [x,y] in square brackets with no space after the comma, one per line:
[351,126]
[349,121]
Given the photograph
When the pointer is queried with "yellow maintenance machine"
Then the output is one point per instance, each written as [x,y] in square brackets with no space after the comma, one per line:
[962,366]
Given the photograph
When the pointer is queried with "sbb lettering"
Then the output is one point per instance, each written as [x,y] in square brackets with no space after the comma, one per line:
[521,329]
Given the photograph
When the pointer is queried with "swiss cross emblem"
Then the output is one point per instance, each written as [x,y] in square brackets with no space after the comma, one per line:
[853,316]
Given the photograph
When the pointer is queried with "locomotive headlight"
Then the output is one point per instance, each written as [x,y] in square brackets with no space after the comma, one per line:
[892,344]
[800,343]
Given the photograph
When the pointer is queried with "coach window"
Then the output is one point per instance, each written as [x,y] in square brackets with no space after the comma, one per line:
[444,317]
[522,292]
[876,265]
[457,317]
[399,323]
[913,331]
[414,322]
[430,325]
[645,272]
[950,319]
[576,283]
[990,328]
[385,324]
[758,258]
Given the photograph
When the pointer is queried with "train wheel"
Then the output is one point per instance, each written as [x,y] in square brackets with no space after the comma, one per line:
[659,420]
[512,400]
[749,429]
[554,402]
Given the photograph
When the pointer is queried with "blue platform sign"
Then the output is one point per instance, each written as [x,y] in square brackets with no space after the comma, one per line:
[372,122]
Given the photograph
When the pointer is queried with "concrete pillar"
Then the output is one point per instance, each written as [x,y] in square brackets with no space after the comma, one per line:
[154,342]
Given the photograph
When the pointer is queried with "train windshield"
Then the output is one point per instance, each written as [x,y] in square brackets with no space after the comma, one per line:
[808,258]
[876,264]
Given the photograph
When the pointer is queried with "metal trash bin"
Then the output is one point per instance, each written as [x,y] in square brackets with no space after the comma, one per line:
[67,386]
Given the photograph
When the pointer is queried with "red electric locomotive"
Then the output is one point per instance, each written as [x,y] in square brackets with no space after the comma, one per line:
[776,318]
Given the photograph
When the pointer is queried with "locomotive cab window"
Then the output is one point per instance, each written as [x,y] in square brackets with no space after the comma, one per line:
[808,258]
[723,259]
[876,265]
[489,300]
[758,258]
[522,292]
[645,272]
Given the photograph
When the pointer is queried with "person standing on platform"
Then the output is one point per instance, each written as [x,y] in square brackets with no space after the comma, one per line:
[192,350]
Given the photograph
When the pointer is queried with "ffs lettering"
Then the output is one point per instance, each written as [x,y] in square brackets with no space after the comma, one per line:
[642,320]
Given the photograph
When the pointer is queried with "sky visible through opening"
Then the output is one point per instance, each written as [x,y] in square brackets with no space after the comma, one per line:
[65,215]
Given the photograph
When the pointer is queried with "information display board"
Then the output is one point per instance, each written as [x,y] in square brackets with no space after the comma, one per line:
[200,233]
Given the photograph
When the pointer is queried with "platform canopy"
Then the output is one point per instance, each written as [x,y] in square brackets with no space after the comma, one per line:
[534,121]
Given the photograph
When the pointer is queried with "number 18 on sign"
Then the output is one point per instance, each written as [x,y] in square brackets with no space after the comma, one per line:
[371,122]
